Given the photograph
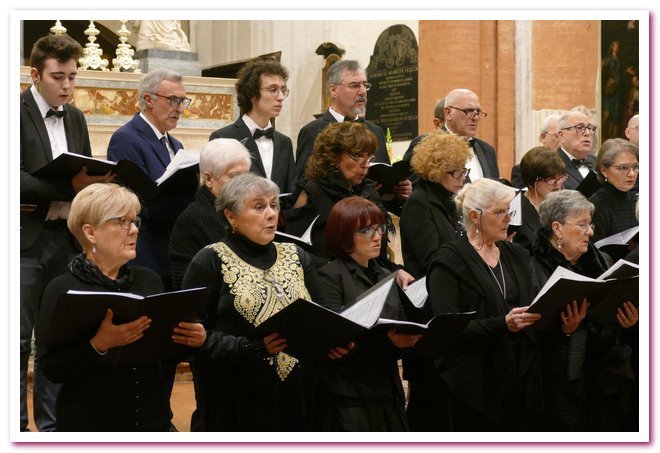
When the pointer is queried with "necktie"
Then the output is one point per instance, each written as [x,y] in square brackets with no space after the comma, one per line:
[57,113]
[166,155]
[268,133]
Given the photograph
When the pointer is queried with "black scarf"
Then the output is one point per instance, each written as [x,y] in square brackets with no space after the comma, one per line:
[90,273]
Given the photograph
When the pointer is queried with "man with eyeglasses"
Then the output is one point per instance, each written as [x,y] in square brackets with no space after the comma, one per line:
[261,90]
[347,86]
[462,115]
[146,141]
[576,134]
[49,126]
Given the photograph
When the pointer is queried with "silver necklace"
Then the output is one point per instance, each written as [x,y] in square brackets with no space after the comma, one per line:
[502,290]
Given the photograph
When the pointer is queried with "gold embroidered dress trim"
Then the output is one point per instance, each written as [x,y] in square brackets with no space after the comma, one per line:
[259,294]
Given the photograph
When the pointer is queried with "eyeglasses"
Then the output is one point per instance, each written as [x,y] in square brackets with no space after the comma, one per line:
[125,223]
[458,173]
[580,128]
[175,101]
[356,85]
[371,231]
[471,113]
[501,214]
[274,90]
[625,169]
[362,161]
[583,226]
[552,181]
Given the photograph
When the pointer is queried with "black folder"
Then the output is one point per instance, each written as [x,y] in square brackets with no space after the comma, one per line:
[312,330]
[389,175]
[605,294]
[78,315]
[129,174]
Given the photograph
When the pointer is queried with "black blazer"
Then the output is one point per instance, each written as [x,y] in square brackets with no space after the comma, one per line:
[516,177]
[311,130]
[284,169]
[37,152]
[574,176]
[429,219]
[486,155]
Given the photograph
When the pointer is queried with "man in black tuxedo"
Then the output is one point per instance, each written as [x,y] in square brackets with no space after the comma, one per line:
[576,134]
[261,90]
[462,115]
[347,86]
[49,127]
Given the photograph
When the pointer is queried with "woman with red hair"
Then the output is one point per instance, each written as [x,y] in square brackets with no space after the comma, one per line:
[360,391]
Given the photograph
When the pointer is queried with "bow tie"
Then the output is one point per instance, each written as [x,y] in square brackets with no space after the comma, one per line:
[268,133]
[57,113]
[580,162]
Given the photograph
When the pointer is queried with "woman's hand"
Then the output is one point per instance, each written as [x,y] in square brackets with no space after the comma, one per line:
[274,344]
[627,315]
[402,340]
[110,335]
[403,278]
[573,316]
[518,319]
[191,334]
[339,352]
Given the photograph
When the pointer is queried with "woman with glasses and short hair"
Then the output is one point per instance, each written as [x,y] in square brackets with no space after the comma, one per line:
[618,168]
[98,393]
[360,391]
[492,374]
[543,172]
[587,373]
[336,170]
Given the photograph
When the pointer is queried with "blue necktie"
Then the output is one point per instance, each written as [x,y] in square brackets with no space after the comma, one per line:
[166,156]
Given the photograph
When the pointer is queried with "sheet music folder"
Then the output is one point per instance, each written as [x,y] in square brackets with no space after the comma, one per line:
[605,294]
[78,315]
[312,330]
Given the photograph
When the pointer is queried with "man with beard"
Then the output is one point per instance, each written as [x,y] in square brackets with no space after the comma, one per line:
[347,86]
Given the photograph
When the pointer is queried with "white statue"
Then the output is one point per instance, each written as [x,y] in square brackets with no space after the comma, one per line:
[161,34]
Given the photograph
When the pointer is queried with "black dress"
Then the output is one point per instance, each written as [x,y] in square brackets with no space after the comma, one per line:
[198,226]
[589,378]
[363,391]
[238,387]
[492,375]
[97,393]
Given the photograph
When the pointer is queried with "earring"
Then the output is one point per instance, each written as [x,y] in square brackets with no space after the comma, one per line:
[93,249]
[605,178]
[559,243]
[477,231]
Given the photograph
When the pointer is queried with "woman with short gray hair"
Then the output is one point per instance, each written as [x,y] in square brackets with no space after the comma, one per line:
[243,383]
[199,224]
[618,169]
[587,392]
[492,374]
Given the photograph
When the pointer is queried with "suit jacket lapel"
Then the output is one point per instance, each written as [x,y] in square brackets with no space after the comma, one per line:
[251,145]
[571,170]
[39,124]
[479,152]
[148,134]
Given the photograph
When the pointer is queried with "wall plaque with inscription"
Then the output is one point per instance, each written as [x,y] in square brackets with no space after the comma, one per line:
[393,70]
